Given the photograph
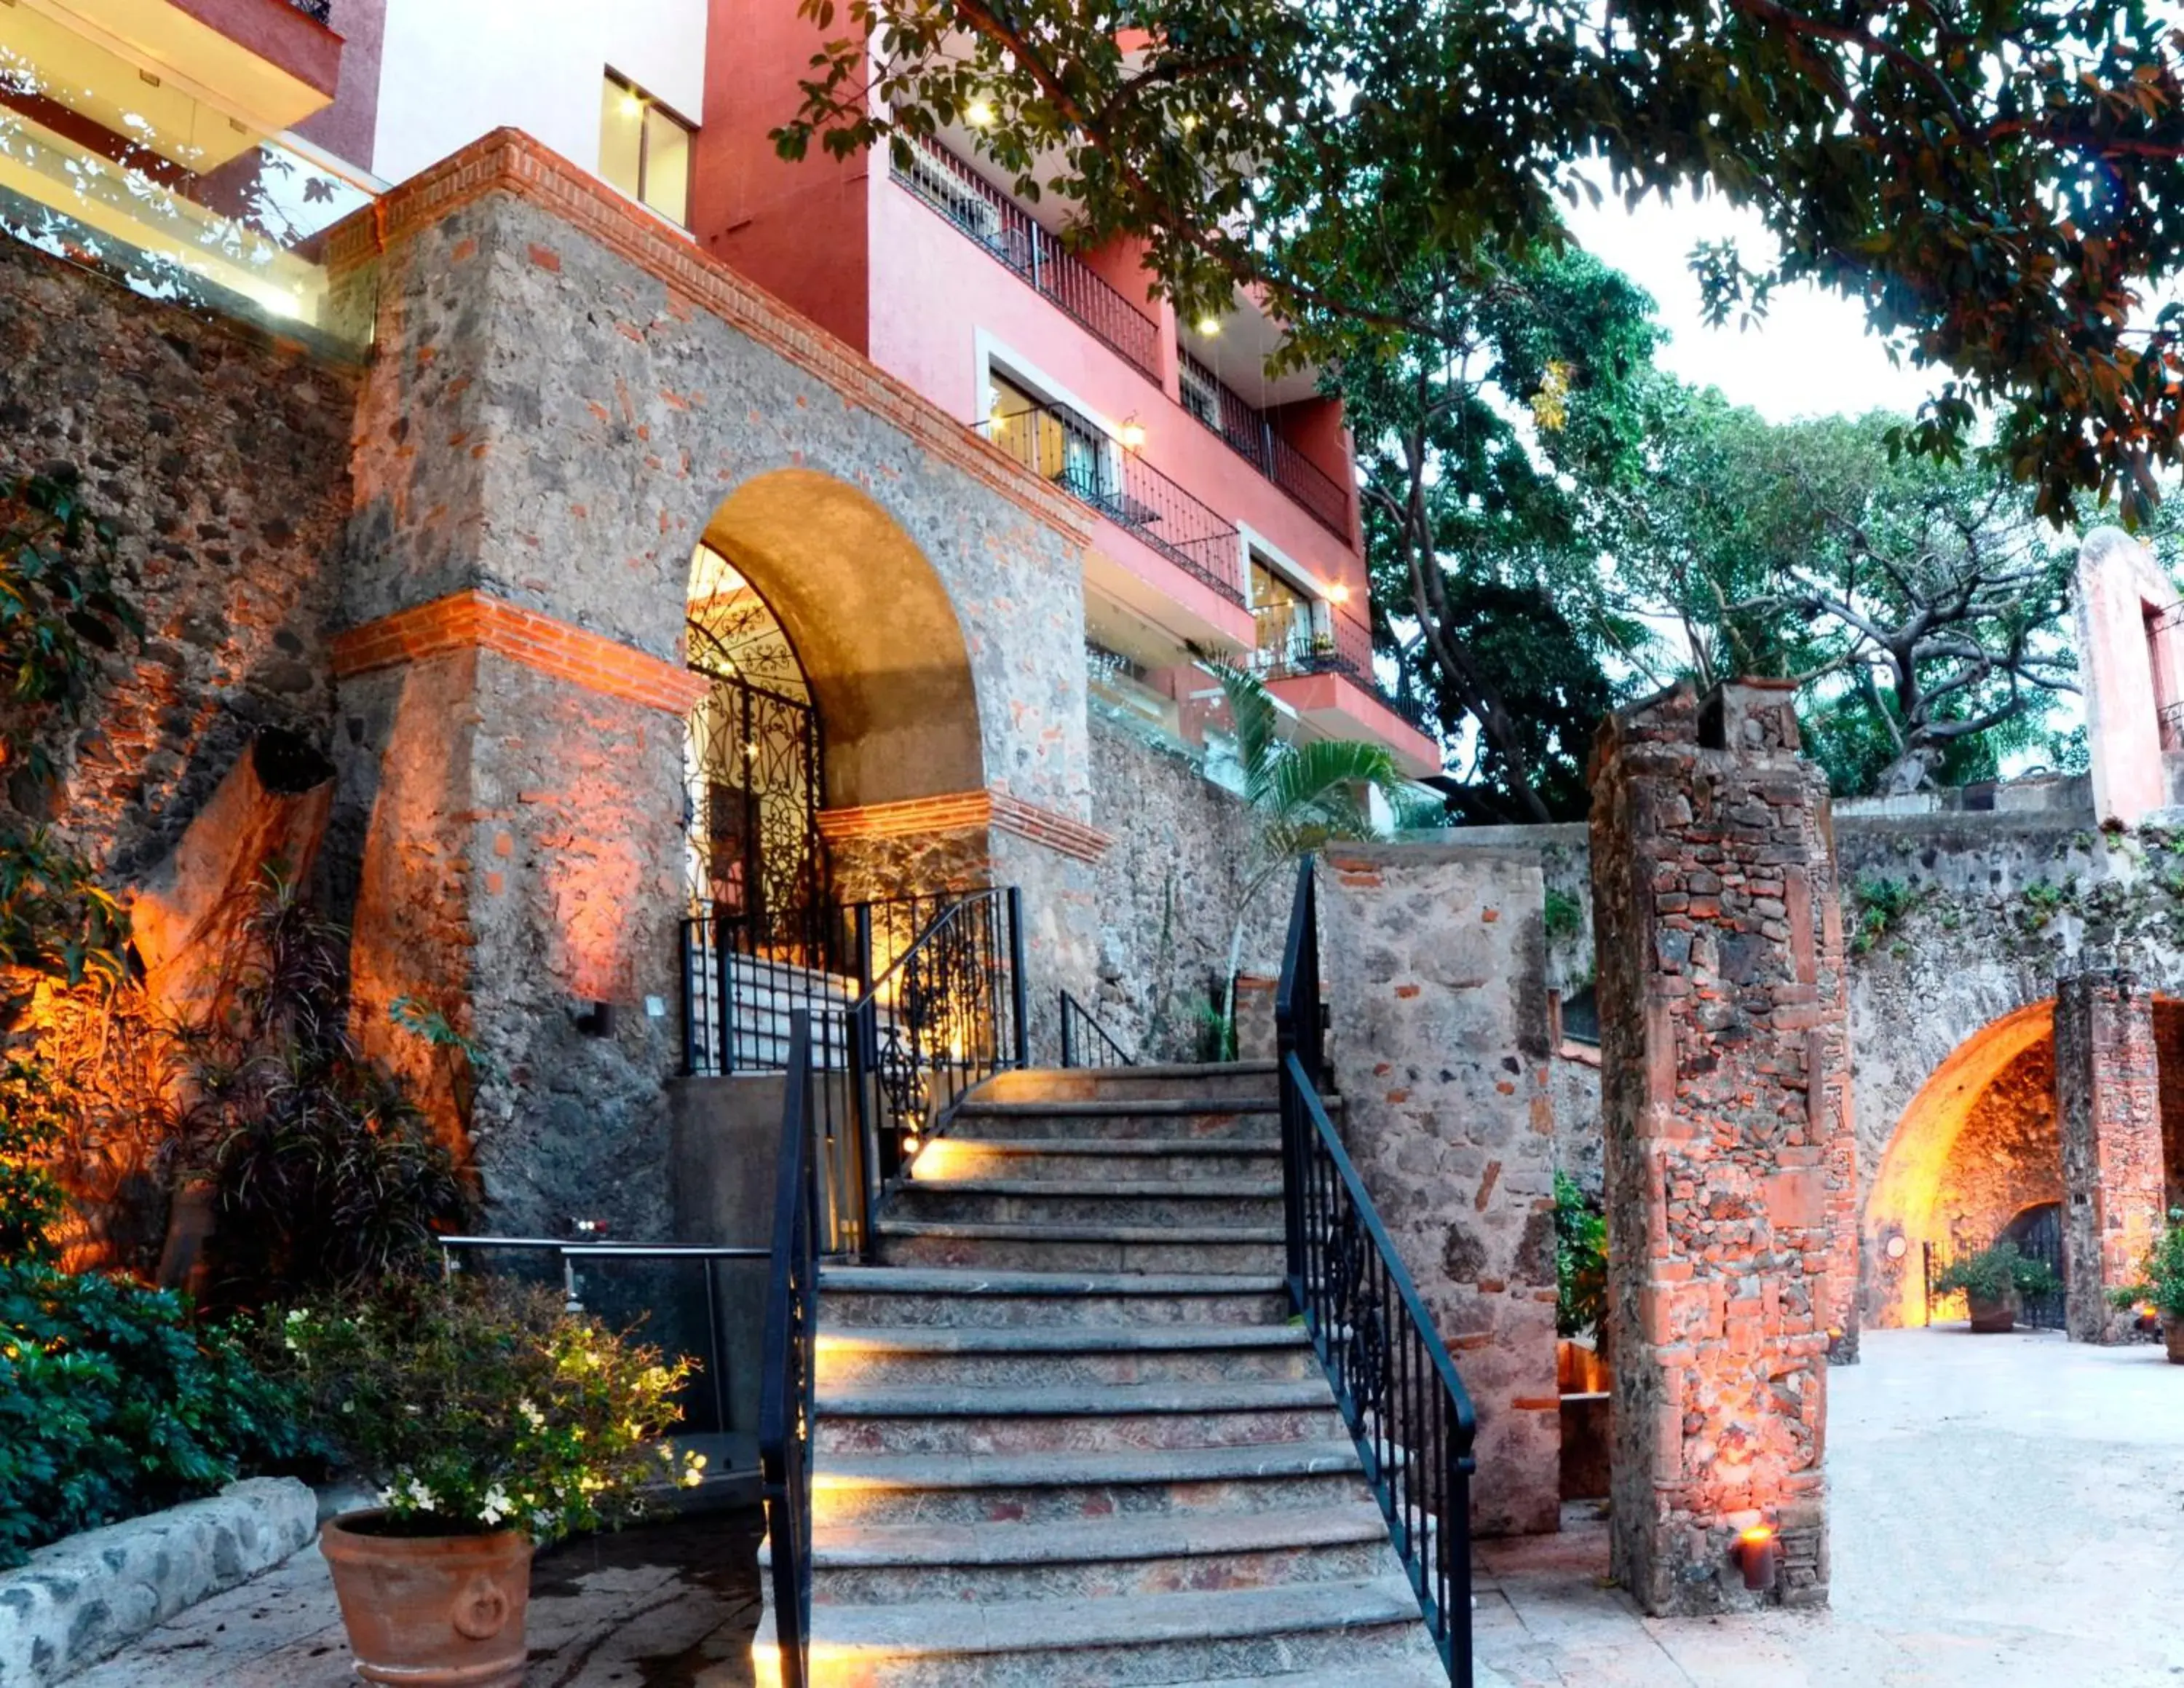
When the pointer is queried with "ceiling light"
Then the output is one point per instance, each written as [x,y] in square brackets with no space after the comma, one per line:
[1209,326]
[631,106]
[979,114]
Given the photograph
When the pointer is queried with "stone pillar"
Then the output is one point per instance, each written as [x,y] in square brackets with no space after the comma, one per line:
[2108,1099]
[1436,958]
[1730,1164]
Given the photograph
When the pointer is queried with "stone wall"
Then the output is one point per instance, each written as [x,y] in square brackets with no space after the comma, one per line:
[1433,959]
[2008,1157]
[1730,1178]
[1167,893]
[220,457]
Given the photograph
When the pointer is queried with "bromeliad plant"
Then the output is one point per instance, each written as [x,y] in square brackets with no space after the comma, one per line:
[475,1406]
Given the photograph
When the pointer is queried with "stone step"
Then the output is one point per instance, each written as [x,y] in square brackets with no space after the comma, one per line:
[1358,1625]
[1071,1159]
[905,1420]
[1226,1249]
[873,1564]
[1005,1355]
[1195,1204]
[859,1296]
[1387,1673]
[1041,1488]
[1257,1120]
[1220,1079]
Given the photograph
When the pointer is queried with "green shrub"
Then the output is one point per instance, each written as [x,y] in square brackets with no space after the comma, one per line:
[1565,915]
[1580,1261]
[1881,902]
[113,1403]
[479,1405]
[1996,1273]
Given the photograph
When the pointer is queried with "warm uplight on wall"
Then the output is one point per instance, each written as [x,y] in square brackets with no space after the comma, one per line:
[1132,434]
[979,114]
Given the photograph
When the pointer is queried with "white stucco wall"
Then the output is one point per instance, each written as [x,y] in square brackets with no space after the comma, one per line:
[450,72]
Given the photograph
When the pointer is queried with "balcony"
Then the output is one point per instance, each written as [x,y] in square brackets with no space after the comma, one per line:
[1253,438]
[1056,444]
[1326,675]
[997,223]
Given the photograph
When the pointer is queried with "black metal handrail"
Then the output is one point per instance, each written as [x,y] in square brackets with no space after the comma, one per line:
[1085,1042]
[1251,435]
[1397,1389]
[1055,442]
[743,976]
[1290,645]
[1008,231]
[785,1374]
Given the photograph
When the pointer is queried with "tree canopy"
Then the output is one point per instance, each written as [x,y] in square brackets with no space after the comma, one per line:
[1995,181]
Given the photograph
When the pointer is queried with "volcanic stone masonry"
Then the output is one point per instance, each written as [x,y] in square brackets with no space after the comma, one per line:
[1730,1168]
[2108,1096]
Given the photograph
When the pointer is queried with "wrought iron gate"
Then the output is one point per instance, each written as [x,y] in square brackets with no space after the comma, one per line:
[2038,1233]
[756,854]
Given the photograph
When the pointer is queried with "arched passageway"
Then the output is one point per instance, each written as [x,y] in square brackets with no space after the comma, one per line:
[1978,1156]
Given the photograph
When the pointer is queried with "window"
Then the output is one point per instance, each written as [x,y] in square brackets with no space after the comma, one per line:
[1052,439]
[644,148]
[1283,616]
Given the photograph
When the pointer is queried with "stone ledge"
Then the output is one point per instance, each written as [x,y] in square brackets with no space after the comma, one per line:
[91,1595]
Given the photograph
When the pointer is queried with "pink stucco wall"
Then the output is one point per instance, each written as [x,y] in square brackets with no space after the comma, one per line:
[2118,585]
[932,290]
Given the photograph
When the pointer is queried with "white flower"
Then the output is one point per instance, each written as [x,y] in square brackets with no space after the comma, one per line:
[387,1496]
[495,1506]
[298,1315]
[542,1522]
[421,1495]
[531,1415]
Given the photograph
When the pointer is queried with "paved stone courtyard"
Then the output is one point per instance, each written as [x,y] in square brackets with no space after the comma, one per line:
[2007,1510]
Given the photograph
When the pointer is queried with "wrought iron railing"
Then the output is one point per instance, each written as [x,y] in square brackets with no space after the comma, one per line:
[1397,1386]
[1251,435]
[1054,441]
[1008,231]
[786,1368]
[743,976]
[1085,1042]
[1289,647]
[318,11]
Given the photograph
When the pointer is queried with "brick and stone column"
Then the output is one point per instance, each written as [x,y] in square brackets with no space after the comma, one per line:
[2108,1099]
[1730,1163]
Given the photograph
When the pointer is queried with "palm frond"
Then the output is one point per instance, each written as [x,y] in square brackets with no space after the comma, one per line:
[1320,777]
[1257,723]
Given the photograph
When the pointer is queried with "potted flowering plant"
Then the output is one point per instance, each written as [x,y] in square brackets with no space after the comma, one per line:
[2164,1286]
[490,1420]
[1992,1280]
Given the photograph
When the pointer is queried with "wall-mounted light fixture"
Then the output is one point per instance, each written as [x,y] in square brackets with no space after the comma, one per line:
[596,1020]
[1335,592]
[979,114]
[1758,1555]
[1132,434]
[1209,326]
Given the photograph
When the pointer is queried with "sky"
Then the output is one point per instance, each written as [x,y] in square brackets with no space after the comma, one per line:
[1811,356]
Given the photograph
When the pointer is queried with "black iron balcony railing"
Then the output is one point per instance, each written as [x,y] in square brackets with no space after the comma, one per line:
[1085,1042]
[787,1367]
[1007,230]
[318,11]
[1252,437]
[1397,1389]
[1055,442]
[1289,644]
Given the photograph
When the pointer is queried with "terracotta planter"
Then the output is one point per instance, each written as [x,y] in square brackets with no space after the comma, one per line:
[431,1612]
[2172,1335]
[1992,1318]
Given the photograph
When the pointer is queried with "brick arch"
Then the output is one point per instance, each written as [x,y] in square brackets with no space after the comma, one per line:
[873,627]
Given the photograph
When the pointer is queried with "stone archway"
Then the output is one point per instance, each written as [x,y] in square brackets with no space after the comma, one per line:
[1978,1099]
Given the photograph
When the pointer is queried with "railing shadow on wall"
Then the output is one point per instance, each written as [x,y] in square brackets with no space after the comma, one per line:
[1398,1390]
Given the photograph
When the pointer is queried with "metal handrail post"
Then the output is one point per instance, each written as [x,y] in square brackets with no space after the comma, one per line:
[1019,985]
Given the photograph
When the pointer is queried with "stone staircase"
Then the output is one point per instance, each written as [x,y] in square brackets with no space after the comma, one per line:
[1067,1434]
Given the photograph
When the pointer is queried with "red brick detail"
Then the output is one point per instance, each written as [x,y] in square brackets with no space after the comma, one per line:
[477,621]
[961,811]
[509,161]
